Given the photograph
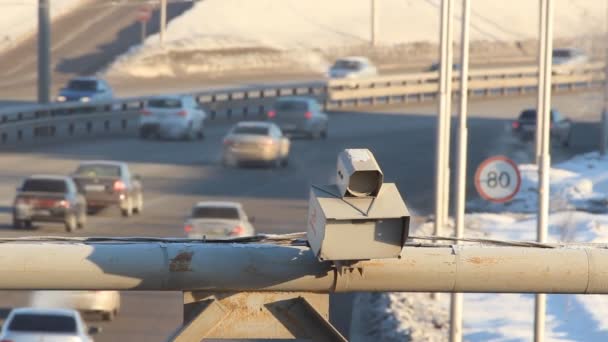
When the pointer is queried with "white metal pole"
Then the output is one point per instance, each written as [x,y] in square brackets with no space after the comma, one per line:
[545,159]
[448,112]
[163,21]
[604,118]
[373,22]
[461,167]
[542,26]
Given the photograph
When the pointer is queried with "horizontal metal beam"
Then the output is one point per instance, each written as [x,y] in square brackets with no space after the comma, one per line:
[266,267]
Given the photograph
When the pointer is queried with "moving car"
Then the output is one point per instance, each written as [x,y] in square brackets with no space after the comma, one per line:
[299,115]
[569,58]
[215,220]
[49,198]
[352,67]
[174,117]
[435,67]
[110,183]
[255,142]
[525,126]
[106,303]
[48,325]
[85,89]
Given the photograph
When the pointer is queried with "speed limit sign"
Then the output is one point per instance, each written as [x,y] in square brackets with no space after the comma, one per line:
[497,179]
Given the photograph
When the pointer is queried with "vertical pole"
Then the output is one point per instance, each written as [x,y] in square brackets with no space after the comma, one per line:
[372,21]
[448,112]
[461,168]
[443,111]
[163,21]
[44,52]
[545,159]
[542,23]
[143,30]
[604,118]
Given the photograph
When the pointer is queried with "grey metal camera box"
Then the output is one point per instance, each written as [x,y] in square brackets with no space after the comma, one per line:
[357,228]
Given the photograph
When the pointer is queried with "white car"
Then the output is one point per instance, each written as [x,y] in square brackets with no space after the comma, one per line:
[48,325]
[217,220]
[352,67]
[174,117]
[568,57]
[105,303]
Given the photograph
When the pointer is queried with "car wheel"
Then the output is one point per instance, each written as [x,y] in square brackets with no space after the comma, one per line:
[128,211]
[108,316]
[82,220]
[566,140]
[284,162]
[188,135]
[139,207]
[71,223]
[324,133]
[200,134]
[18,224]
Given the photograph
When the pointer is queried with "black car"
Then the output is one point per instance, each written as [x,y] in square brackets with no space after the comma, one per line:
[47,198]
[525,126]
[110,183]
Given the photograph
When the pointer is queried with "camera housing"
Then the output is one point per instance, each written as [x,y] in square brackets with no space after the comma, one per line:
[359,217]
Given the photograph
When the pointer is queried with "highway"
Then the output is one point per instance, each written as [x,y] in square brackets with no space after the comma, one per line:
[83,42]
[178,174]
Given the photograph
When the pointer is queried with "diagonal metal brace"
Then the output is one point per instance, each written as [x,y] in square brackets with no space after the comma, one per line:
[210,313]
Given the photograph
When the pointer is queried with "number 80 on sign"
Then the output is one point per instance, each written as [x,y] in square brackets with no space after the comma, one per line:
[497,179]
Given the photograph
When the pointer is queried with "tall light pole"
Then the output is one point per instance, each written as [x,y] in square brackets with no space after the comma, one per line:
[544,162]
[604,118]
[44,51]
[542,26]
[444,109]
[461,168]
[372,22]
[163,21]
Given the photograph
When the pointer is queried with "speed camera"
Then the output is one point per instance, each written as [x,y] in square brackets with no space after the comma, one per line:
[360,217]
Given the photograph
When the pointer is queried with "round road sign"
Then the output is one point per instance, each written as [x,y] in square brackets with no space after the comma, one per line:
[497,179]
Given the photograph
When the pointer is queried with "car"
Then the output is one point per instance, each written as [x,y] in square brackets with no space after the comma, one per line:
[49,198]
[352,67]
[299,115]
[217,220]
[569,58]
[255,142]
[174,117]
[85,89]
[49,325]
[105,303]
[525,126]
[435,67]
[110,183]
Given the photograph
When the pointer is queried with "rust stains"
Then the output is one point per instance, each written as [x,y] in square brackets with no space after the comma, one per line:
[483,261]
[181,262]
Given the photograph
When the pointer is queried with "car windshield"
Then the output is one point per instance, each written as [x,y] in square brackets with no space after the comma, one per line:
[346,64]
[291,105]
[227,213]
[43,323]
[83,85]
[45,185]
[562,53]
[252,130]
[165,103]
[98,170]
[528,115]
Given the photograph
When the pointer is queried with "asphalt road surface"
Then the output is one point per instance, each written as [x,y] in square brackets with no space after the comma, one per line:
[178,174]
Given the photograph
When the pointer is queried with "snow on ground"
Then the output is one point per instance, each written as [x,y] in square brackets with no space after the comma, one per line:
[510,317]
[301,31]
[19,18]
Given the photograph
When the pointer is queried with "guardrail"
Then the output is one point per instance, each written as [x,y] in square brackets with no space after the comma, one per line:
[41,123]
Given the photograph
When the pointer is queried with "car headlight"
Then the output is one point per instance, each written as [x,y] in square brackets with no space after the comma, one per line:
[61,98]
[85,99]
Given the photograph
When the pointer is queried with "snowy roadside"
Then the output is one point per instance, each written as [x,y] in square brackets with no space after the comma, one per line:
[20,18]
[509,317]
[214,38]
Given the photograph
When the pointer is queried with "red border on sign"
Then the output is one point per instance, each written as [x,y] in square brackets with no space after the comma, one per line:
[478,180]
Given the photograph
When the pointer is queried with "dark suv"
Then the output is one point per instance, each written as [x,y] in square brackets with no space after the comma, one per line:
[110,183]
[525,127]
[47,198]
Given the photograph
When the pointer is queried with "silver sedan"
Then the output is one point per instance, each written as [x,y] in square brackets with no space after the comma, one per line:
[255,142]
[218,220]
